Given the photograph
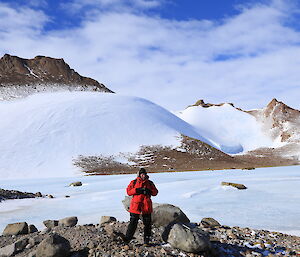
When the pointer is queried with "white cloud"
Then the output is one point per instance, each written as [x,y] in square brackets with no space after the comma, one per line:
[111,5]
[247,59]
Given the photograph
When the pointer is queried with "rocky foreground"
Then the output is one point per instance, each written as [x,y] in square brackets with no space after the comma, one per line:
[173,235]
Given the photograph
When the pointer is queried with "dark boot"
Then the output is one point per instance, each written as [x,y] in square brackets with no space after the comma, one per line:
[134,218]
[147,228]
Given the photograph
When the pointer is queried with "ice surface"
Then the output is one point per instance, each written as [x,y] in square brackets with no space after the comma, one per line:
[231,130]
[270,202]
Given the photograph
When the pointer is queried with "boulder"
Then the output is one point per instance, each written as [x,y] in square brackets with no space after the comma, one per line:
[68,221]
[20,228]
[8,250]
[53,245]
[38,194]
[14,248]
[32,228]
[126,202]
[188,239]
[238,186]
[50,223]
[107,219]
[210,223]
[76,184]
[165,214]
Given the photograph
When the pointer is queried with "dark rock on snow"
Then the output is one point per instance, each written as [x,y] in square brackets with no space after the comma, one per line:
[76,184]
[238,186]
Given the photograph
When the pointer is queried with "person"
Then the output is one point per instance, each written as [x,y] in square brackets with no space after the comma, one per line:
[141,189]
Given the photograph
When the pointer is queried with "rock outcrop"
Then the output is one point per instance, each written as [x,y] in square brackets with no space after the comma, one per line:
[14,194]
[280,120]
[20,77]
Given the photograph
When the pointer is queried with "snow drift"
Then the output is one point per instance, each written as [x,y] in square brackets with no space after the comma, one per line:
[229,129]
[43,133]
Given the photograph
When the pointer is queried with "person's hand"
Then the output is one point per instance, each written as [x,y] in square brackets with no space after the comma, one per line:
[139,190]
[147,191]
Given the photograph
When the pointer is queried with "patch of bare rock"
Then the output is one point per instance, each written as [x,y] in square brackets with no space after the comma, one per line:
[173,235]
[14,194]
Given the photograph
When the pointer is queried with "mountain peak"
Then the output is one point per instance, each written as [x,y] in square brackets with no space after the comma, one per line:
[41,69]
[206,105]
[42,73]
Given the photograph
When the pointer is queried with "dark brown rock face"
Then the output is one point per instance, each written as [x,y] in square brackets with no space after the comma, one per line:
[42,70]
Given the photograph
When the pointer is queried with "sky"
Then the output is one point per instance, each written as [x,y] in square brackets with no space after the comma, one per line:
[172,52]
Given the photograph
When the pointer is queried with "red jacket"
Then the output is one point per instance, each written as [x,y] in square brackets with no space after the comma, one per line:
[140,203]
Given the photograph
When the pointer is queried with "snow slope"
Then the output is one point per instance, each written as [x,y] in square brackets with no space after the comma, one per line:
[41,134]
[232,131]
[270,202]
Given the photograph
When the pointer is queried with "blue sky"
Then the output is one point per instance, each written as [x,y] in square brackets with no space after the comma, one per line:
[172,52]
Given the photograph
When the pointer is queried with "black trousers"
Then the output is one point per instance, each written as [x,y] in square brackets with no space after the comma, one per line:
[134,218]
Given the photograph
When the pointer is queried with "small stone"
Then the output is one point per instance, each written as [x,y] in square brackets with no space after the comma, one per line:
[50,196]
[38,194]
[50,223]
[91,245]
[32,228]
[76,184]
[45,231]
[163,251]
[107,219]
[210,222]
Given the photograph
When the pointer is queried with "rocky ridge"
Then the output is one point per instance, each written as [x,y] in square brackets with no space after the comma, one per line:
[20,77]
[282,121]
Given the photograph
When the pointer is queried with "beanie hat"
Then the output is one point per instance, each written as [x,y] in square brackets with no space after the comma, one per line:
[142,170]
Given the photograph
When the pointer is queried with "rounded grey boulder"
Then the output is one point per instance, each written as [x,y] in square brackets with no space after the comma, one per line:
[188,239]
[68,221]
[164,214]
[53,246]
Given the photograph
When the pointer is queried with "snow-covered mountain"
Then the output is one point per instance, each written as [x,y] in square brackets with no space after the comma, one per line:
[270,132]
[54,133]
[45,132]
[232,130]
[21,77]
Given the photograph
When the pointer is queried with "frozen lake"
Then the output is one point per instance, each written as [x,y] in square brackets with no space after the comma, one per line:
[271,202]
